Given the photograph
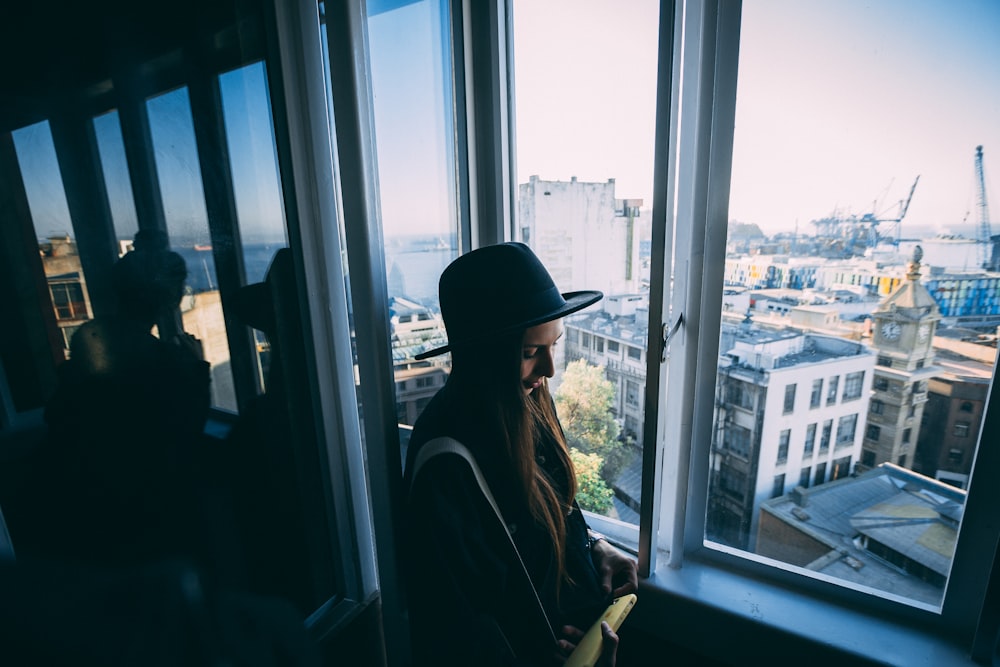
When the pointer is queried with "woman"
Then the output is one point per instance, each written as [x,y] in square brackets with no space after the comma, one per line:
[470,600]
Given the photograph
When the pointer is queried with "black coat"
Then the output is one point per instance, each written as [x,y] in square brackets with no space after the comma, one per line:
[464,581]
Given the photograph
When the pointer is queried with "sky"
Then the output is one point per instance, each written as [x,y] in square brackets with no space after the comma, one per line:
[840,107]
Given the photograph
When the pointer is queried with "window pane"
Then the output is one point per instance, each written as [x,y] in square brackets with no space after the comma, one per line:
[43,187]
[111,147]
[586,82]
[847,284]
[256,186]
[410,50]
[179,172]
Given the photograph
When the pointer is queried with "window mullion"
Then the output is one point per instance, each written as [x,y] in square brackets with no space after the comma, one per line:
[488,106]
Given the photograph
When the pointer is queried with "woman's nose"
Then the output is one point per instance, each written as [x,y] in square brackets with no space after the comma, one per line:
[548,364]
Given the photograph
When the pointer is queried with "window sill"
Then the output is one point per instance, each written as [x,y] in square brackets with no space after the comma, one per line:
[738,619]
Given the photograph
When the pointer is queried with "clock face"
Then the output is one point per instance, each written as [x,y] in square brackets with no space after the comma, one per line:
[891,330]
[923,333]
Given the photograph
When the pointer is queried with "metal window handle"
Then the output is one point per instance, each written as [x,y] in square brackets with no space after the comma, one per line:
[666,334]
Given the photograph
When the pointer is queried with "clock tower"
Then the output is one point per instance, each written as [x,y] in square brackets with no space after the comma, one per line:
[902,335]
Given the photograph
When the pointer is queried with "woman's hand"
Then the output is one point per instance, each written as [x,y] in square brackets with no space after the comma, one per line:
[609,644]
[614,569]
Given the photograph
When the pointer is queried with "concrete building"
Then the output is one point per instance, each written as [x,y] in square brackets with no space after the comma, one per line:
[887,529]
[585,237]
[415,329]
[953,416]
[903,331]
[789,412]
[615,338]
[67,285]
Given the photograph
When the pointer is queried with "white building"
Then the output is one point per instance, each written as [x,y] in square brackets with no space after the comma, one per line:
[790,412]
[585,237]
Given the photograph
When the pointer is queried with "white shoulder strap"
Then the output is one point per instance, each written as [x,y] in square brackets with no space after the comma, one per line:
[446,445]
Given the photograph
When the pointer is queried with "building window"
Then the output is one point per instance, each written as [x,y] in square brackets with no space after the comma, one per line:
[634,353]
[783,439]
[816,395]
[876,407]
[881,383]
[820,476]
[804,476]
[737,440]
[585,341]
[631,393]
[732,482]
[845,430]
[779,486]
[852,385]
[810,440]
[906,436]
[831,390]
[824,438]
[841,468]
[966,406]
[600,344]
[955,456]
[572,335]
[868,458]
[873,432]
[789,404]
[961,430]
[613,347]
[920,364]
[884,361]
[68,300]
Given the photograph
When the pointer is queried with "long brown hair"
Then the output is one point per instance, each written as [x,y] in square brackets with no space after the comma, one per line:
[487,379]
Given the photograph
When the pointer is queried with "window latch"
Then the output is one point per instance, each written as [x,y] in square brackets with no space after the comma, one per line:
[666,334]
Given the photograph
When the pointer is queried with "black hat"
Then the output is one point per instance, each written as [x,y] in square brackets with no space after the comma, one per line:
[498,289]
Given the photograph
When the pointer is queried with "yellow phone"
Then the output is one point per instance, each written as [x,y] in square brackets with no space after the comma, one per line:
[588,650]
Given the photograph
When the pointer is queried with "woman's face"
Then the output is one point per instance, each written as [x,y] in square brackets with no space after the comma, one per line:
[537,352]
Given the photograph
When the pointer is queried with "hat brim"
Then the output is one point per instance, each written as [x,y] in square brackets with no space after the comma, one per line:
[574,301]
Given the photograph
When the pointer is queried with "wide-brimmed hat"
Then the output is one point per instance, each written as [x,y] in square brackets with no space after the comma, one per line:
[499,289]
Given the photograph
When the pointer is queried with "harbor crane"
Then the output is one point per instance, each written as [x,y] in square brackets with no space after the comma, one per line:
[984,236]
[850,235]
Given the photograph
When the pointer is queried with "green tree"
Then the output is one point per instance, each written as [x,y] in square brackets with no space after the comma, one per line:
[592,492]
[584,401]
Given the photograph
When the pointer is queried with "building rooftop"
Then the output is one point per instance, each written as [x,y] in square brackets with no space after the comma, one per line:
[913,515]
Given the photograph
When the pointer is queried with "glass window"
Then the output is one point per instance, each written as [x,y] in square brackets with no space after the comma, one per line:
[414,106]
[778,489]
[789,404]
[179,171]
[810,440]
[815,229]
[853,382]
[831,390]
[816,393]
[111,147]
[585,175]
[783,439]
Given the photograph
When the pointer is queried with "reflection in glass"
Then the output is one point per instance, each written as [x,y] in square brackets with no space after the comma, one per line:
[586,78]
[43,186]
[254,165]
[111,148]
[179,172]
[842,279]
[413,102]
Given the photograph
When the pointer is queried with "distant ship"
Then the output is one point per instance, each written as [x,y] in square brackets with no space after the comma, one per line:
[201,246]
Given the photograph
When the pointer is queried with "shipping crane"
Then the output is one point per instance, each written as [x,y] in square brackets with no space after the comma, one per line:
[983,240]
[851,235]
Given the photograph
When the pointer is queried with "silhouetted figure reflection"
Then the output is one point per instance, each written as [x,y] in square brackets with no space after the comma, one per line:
[263,468]
[125,424]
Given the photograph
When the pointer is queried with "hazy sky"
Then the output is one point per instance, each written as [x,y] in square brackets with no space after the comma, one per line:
[840,104]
